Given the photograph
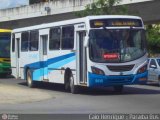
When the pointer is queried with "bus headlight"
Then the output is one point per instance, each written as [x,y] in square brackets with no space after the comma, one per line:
[97,71]
[142,69]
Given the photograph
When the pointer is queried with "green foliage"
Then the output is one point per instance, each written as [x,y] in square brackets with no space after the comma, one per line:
[103,7]
[153,37]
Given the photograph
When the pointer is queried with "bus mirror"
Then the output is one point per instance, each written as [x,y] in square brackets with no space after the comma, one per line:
[86,41]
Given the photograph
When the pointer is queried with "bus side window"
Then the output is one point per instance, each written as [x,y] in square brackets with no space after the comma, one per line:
[68,37]
[34,38]
[54,38]
[24,41]
[13,42]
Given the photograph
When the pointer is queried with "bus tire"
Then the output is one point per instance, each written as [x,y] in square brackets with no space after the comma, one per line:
[73,88]
[66,78]
[30,82]
[118,88]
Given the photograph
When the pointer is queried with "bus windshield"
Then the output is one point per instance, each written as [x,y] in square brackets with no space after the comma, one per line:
[4,45]
[116,45]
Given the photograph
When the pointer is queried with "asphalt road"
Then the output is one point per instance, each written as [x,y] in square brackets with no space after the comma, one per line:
[52,99]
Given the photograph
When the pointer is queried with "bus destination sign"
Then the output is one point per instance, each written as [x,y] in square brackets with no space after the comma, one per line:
[115,23]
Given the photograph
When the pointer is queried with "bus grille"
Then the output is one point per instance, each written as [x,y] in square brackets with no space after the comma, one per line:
[121,68]
[121,80]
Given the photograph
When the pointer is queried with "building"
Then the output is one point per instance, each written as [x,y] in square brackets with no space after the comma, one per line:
[43,11]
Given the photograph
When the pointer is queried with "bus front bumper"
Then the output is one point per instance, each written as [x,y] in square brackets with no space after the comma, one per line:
[101,80]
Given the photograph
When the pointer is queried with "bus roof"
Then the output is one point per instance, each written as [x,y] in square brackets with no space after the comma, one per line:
[5,30]
[73,21]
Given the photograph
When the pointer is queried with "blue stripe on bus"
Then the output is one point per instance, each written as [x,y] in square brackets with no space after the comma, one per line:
[56,62]
[37,74]
[39,64]
[59,58]
[62,62]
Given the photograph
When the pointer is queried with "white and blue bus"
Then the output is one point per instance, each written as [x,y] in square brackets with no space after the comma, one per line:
[94,51]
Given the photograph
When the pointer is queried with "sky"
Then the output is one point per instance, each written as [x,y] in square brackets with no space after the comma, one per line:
[12,3]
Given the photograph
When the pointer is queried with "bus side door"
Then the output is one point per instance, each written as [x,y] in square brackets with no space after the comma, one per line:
[43,35]
[81,54]
[17,54]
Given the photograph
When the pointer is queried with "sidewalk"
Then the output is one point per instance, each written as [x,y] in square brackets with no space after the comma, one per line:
[10,94]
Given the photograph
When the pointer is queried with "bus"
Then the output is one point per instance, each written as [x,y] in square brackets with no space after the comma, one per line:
[5,39]
[94,51]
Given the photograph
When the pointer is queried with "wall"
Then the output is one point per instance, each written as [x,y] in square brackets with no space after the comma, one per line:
[43,9]
[48,8]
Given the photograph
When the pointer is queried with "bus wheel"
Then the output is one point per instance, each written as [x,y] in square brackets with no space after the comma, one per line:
[73,88]
[118,88]
[30,82]
[67,83]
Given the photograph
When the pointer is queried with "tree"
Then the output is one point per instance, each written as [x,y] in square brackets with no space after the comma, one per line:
[103,7]
[153,38]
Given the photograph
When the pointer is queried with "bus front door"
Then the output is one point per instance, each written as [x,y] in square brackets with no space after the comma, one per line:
[17,51]
[81,57]
[43,58]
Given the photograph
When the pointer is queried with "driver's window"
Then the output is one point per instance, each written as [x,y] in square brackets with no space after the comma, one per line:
[137,39]
[153,63]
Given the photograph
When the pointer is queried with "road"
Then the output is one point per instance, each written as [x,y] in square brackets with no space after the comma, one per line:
[17,98]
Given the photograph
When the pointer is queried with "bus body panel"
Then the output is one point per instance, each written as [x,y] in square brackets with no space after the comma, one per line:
[58,63]
[31,63]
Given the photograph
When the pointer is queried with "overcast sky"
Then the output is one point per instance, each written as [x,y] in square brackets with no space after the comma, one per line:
[12,3]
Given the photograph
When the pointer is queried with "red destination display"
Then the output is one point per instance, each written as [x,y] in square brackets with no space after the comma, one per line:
[111,56]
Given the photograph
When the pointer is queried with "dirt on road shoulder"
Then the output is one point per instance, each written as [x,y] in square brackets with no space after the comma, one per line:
[15,94]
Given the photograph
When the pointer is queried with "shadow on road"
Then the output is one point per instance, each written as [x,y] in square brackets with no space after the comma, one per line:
[128,90]
[47,86]
[6,76]
[155,84]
